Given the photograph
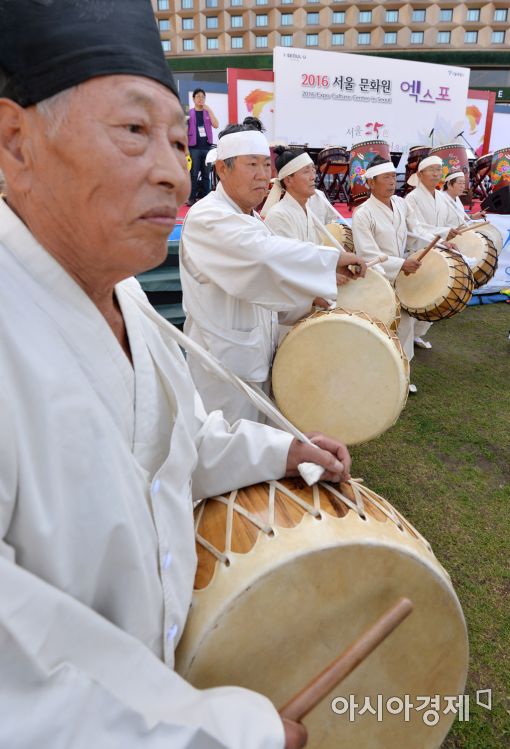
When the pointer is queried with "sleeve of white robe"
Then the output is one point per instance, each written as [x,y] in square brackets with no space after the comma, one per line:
[238,255]
[363,230]
[329,213]
[73,680]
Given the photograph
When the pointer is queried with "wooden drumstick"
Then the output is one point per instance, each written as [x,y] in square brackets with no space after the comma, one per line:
[319,688]
[375,261]
[428,248]
[473,227]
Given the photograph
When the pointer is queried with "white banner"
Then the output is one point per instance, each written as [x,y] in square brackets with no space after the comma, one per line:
[337,99]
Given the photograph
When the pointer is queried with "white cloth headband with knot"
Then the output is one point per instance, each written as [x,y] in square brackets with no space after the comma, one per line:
[276,191]
[244,143]
[429,161]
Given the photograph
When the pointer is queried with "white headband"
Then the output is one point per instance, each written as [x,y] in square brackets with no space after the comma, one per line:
[429,161]
[454,175]
[276,191]
[374,171]
[244,143]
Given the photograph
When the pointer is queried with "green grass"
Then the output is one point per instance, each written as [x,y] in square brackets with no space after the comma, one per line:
[446,466]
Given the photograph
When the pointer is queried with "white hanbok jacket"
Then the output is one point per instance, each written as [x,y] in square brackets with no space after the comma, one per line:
[434,212]
[238,282]
[458,210]
[288,219]
[377,229]
[99,463]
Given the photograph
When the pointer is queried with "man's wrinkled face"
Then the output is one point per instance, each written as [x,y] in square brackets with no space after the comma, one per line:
[430,176]
[457,186]
[302,183]
[114,175]
[383,186]
[247,181]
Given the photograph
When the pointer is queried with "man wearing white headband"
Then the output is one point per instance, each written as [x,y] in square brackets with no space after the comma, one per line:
[382,225]
[303,210]
[239,280]
[430,205]
[454,186]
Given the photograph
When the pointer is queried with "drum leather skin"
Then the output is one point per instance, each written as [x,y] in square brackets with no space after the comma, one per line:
[342,233]
[373,295]
[475,244]
[341,373]
[300,575]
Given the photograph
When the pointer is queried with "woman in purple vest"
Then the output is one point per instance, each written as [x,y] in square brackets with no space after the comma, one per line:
[200,138]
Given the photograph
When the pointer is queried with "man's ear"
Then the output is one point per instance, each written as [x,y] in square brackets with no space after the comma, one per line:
[15,155]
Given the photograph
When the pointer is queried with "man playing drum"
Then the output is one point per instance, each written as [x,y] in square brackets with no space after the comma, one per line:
[302,210]
[239,280]
[104,441]
[382,225]
[454,186]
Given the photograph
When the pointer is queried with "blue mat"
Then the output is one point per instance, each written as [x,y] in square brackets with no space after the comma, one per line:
[176,233]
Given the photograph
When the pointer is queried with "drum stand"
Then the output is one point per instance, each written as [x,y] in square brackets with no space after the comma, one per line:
[337,190]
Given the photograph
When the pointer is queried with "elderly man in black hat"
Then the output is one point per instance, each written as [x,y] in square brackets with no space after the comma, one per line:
[104,442]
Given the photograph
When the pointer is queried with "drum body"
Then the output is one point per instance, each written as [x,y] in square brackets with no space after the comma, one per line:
[322,356]
[333,160]
[455,159]
[361,156]
[493,233]
[342,233]
[415,155]
[483,165]
[373,295]
[289,576]
[477,245]
[500,168]
[439,289]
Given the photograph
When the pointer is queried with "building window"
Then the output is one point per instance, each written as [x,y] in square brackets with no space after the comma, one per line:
[236,2]
[443,37]
[236,42]
[188,24]
[445,16]
[211,3]
[312,40]
[163,5]
[287,2]
[236,22]
[417,37]
[500,14]
[212,43]
[164,25]
[261,2]
[339,16]
[363,39]
[261,19]
[337,40]
[498,37]
[166,45]
[312,19]
[471,37]
[313,2]
[261,41]
[211,22]
[187,4]
[365,16]
[419,15]
[473,14]
[390,37]
[188,45]
[286,19]
[392,16]
[286,40]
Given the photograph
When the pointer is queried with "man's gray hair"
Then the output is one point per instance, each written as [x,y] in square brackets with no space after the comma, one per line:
[55,109]
[229,163]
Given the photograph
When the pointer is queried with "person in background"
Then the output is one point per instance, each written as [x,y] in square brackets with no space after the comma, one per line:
[200,138]
[454,186]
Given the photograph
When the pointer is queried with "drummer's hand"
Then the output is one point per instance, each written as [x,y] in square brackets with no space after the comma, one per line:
[333,456]
[451,246]
[341,279]
[349,258]
[452,233]
[410,266]
[480,214]
[296,735]
[320,302]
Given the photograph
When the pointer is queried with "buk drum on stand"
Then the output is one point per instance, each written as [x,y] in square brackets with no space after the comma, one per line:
[455,159]
[362,154]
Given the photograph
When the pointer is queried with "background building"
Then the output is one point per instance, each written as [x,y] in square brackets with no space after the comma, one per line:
[202,38]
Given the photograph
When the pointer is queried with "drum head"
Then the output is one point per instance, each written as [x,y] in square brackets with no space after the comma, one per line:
[492,232]
[426,288]
[373,295]
[475,245]
[278,615]
[342,233]
[342,374]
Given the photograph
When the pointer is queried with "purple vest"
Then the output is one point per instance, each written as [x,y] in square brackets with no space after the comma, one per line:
[192,127]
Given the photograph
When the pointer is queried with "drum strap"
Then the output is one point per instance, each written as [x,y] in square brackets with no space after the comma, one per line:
[310,472]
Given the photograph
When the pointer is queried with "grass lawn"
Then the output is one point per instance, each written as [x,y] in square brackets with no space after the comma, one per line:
[446,466]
